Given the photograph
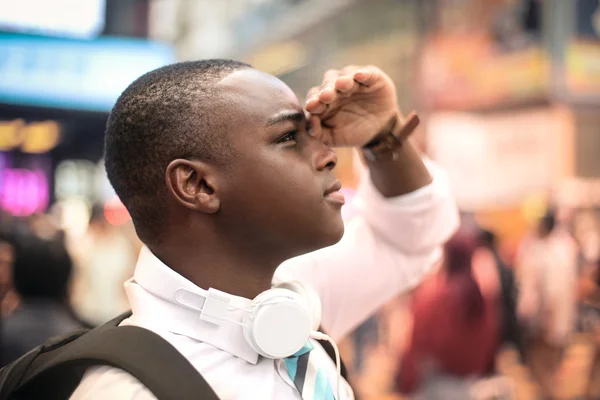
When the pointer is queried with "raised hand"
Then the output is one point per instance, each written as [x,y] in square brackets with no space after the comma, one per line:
[352,106]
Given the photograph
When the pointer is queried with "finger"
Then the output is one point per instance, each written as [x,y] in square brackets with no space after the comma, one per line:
[328,95]
[367,76]
[314,106]
[345,84]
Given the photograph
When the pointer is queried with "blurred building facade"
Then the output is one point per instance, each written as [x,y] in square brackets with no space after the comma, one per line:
[61,73]
[513,96]
[62,66]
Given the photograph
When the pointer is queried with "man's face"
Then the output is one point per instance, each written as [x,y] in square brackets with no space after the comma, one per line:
[275,193]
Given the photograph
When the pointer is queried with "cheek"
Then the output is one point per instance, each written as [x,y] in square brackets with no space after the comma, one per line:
[281,169]
[284,183]
[270,179]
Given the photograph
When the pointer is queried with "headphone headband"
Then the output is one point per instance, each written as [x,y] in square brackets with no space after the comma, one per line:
[276,324]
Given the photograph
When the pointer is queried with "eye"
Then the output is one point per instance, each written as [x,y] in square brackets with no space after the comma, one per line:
[288,137]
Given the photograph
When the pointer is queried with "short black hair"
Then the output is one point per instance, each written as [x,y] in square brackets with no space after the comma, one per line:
[165,114]
[41,269]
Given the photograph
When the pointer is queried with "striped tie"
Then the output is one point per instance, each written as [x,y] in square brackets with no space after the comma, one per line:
[311,381]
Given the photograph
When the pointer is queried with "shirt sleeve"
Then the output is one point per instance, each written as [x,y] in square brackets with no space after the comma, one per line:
[386,249]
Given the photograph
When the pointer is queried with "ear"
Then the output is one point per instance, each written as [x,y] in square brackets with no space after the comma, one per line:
[193,185]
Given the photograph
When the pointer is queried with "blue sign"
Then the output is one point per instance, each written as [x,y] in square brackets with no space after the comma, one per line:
[82,19]
[74,74]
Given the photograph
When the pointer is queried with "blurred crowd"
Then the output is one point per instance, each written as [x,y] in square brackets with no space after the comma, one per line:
[491,322]
[447,336]
[53,282]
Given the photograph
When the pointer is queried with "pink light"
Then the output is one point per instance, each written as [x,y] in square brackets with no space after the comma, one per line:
[23,192]
[115,212]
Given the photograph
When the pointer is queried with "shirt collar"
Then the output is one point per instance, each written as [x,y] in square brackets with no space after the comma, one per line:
[152,294]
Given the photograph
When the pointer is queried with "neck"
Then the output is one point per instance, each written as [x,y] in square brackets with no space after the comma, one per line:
[219,265]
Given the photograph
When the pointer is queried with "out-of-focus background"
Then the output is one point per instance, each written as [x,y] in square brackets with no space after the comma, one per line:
[509,96]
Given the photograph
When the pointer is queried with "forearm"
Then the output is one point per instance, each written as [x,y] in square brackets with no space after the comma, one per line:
[403,174]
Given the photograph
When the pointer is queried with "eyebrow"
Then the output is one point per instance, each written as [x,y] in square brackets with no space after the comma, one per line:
[293,116]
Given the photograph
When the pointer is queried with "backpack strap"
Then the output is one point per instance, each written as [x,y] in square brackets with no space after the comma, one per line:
[140,352]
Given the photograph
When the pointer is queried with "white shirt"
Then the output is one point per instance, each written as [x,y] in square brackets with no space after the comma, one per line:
[548,279]
[386,250]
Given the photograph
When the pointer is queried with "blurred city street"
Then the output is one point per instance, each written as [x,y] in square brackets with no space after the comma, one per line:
[376,378]
[179,143]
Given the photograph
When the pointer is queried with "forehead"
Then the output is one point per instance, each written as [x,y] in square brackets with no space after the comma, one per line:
[254,96]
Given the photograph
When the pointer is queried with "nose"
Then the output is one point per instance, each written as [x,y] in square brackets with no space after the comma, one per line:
[324,156]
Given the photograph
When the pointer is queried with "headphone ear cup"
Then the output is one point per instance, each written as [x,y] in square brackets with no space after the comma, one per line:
[278,324]
[309,298]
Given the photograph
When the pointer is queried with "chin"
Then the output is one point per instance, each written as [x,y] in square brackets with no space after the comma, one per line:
[333,234]
[321,239]
[339,232]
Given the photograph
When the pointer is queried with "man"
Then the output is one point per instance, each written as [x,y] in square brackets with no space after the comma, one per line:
[488,251]
[547,271]
[41,276]
[8,298]
[226,177]
[103,259]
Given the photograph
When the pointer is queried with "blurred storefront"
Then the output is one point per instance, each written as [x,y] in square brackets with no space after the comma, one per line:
[55,95]
[513,96]
[62,66]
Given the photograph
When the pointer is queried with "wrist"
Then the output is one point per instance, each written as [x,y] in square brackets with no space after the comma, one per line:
[385,144]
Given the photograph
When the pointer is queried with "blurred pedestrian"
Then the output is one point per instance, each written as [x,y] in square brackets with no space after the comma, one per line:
[104,260]
[456,326]
[41,275]
[547,274]
[512,331]
[589,319]
[8,298]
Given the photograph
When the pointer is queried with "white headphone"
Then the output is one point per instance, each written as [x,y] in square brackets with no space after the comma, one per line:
[276,324]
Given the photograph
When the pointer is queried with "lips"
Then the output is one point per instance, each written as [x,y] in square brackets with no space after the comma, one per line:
[333,194]
[334,187]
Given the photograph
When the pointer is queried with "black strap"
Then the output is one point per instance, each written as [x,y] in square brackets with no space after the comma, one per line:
[55,370]
[140,352]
